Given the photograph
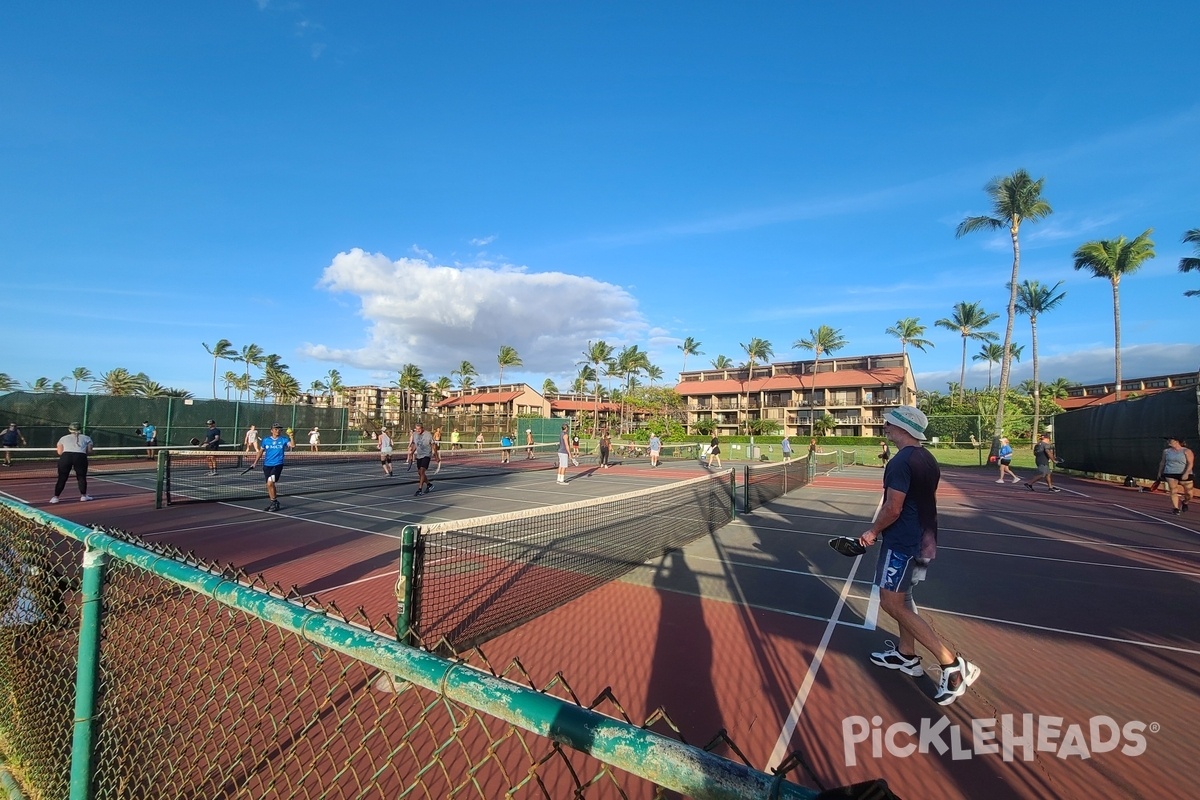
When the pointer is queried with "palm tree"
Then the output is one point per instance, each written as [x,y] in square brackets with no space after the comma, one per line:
[629,362]
[465,372]
[1034,299]
[909,331]
[822,340]
[508,358]
[595,356]
[1112,259]
[231,381]
[317,388]
[333,379]
[586,375]
[1015,199]
[992,353]
[1189,263]
[410,381]
[39,386]
[441,387]
[117,382]
[722,362]
[690,347]
[151,389]
[7,384]
[548,387]
[653,373]
[759,350]
[251,356]
[222,349]
[969,319]
[78,374]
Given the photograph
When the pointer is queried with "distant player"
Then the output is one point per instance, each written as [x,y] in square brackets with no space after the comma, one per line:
[385,452]
[528,444]
[9,439]
[575,450]
[252,440]
[655,449]
[564,452]
[421,451]
[212,443]
[150,434]
[314,439]
[273,449]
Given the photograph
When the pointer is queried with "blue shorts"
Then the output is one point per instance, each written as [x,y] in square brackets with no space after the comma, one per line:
[273,471]
[898,572]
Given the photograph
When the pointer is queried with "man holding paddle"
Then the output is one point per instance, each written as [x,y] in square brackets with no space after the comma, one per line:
[273,449]
[907,524]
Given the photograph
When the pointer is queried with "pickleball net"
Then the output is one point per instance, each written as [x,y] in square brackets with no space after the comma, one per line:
[766,482]
[198,476]
[470,580]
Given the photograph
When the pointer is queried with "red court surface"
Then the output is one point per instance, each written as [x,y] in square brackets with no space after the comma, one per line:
[1080,608]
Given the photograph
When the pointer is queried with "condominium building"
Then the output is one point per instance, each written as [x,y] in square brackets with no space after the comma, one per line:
[855,392]
[1095,394]
[490,408]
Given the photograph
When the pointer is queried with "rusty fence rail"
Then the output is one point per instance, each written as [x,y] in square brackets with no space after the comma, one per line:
[132,670]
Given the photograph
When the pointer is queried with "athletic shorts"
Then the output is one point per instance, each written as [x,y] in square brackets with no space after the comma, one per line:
[423,463]
[897,572]
[1005,461]
[1173,476]
[385,458]
[562,460]
[1043,469]
[273,471]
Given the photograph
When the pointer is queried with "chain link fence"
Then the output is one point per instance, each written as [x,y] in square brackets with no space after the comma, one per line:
[131,670]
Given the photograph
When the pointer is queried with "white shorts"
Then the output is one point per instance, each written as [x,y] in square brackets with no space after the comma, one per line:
[562,460]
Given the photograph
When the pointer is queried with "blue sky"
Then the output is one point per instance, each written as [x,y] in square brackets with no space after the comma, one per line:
[358,185]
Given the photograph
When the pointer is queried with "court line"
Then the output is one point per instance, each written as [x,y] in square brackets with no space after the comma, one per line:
[1170,522]
[1070,561]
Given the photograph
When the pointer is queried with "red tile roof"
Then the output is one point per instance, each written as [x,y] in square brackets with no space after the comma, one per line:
[582,405]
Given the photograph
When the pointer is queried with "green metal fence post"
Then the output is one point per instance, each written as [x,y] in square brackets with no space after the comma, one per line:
[746,490]
[87,674]
[733,494]
[406,585]
[84,421]
[170,408]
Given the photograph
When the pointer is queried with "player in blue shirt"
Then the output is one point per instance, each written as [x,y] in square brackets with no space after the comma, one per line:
[273,449]
[151,435]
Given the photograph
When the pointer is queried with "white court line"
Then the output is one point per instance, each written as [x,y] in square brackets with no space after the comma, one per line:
[1070,561]
[1170,522]
[388,574]
[793,718]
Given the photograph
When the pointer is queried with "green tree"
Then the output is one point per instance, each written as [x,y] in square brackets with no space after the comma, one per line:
[7,384]
[690,347]
[466,373]
[760,351]
[223,349]
[823,425]
[1113,259]
[252,356]
[722,362]
[992,353]
[410,381]
[231,380]
[969,320]
[1190,263]
[118,382]
[909,331]
[507,358]
[333,379]
[39,386]
[78,374]
[1015,199]
[653,373]
[548,387]
[822,340]
[150,388]
[597,355]
[317,388]
[1033,300]
[629,362]
[441,387]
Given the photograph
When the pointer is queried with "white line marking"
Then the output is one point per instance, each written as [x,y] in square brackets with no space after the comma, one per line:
[1172,523]
[1071,561]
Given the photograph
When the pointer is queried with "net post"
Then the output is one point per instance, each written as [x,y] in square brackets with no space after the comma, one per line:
[160,478]
[746,490]
[87,675]
[406,585]
[733,494]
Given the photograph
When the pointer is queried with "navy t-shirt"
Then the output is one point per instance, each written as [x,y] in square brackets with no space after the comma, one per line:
[916,473]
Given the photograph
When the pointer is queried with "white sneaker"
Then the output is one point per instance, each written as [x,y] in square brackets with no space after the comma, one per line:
[54,499]
[893,659]
[1000,481]
[955,680]
[85,498]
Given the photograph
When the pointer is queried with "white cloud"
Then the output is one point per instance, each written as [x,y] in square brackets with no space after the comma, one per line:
[483,241]
[437,316]
[1094,365]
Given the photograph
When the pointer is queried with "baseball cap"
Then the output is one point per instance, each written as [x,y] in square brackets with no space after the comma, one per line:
[209,422]
[529,430]
[276,426]
[910,419]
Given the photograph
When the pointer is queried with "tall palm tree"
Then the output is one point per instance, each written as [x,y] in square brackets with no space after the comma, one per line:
[690,347]
[1015,199]
[151,389]
[333,379]
[1113,259]
[722,362]
[441,387]
[252,356]
[992,353]
[759,350]
[230,381]
[410,381]
[7,384]
[653,373]
[508,358]
[39,386]
[1189,263]
[465,372]
[909,331]
[117,381]
[1034,299]
[317,388]
[629,362]
[969,319]
[223,349]
[822,340]
[78,374]
[596,356]
[548,387]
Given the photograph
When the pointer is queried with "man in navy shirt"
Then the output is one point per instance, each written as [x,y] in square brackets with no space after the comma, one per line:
[907,524]
[273,448]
